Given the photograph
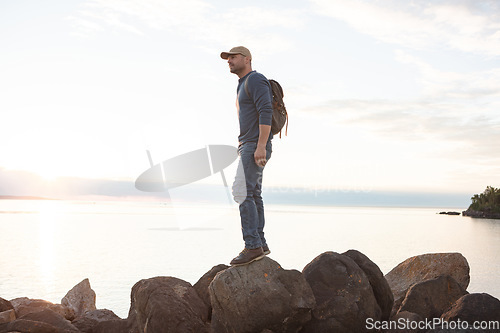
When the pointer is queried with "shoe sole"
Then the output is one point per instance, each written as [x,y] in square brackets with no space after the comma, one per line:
[267,252]
[249,262]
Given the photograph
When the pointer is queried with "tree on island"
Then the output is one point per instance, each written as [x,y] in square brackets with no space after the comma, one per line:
[486,204]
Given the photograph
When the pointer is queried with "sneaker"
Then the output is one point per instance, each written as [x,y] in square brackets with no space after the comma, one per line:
[266,250]
[247,256]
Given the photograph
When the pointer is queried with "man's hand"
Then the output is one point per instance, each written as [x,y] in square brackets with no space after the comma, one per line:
[260,155]
[260,152]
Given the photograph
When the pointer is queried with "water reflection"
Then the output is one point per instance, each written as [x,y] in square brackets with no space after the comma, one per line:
[48,214]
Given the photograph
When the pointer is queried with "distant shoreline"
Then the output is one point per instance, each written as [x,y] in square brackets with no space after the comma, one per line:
[20,197]
[349,201]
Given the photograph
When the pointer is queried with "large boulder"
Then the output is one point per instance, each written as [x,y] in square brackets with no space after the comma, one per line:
[7,316]
[5,305]
[81,298]
[132,318]
[29,326]
[43,321]
[406,322]
[425,267]
[7,312]
[91,319]
[114,326]
[344,296]
[381,290]
[431,298]
[474,307]
[260,296]
[24,305]
[201,286]
[50,317]
[168,304]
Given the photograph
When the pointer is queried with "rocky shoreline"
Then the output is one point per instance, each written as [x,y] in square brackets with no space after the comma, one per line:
[334,293]
[481,214]
[449,213]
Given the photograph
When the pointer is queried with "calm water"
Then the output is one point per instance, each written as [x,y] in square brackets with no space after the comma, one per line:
[46,247]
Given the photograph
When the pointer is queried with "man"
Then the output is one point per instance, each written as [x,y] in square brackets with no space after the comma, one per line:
[254,105]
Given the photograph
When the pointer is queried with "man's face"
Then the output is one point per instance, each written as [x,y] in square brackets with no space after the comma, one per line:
[237,63]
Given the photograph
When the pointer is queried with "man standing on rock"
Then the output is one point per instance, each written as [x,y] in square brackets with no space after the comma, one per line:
[254,106]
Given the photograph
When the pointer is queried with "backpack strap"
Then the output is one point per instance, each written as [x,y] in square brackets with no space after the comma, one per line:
[246,84]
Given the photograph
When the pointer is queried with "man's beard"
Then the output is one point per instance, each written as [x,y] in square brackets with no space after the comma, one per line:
[235,69]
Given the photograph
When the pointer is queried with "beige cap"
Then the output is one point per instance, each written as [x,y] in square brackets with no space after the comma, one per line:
[237,50]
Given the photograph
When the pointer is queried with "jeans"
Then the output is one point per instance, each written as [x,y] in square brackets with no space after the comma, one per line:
[247,189]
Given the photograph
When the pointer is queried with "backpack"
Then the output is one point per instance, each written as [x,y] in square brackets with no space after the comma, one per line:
[280,116]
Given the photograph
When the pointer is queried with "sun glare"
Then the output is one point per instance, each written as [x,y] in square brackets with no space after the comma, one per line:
[48,215]
[48,176]
[48,170]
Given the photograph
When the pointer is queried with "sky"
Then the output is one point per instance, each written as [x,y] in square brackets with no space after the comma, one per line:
[382,95]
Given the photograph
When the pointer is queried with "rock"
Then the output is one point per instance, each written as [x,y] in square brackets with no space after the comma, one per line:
[381,290]
[474,307]
[7,316]
[425,267]
[449,213]
[114,326]
[258,297]
[168,304]
[81,298]
[431,298]
[344,296]
[24,305]
[132,318]
[5,305]
[90,319]
[406,322]
[43,321]
[29,326]
[201,286]
[50,317]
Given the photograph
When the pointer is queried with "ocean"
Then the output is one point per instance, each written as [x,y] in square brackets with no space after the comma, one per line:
[48,246]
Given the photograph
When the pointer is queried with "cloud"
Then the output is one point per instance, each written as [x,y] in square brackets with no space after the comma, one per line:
[457,112]
[457,130]
[83,27]
[252,16]
[152,13]
[197,20]
[445,84]
[139,16]
[460,25]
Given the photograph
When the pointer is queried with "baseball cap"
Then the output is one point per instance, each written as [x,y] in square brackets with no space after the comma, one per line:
[237,50]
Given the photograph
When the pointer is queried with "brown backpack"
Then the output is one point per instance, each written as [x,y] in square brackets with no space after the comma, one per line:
[280,116]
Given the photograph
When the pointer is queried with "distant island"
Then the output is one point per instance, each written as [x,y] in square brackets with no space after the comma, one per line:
[485,205]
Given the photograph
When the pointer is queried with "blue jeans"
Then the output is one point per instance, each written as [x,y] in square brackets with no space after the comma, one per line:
[247,189]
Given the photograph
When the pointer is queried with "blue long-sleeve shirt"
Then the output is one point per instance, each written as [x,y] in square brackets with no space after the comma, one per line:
[255,108]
